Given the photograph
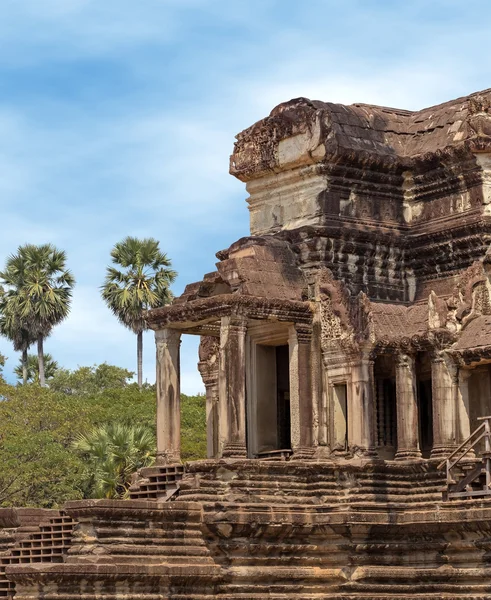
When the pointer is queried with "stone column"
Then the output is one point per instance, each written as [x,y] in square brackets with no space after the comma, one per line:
[232,387]
[444,389]
[463,408]
[361,408]
[407,409]
[208,368]
[168,343]
[301,410]
[319,415]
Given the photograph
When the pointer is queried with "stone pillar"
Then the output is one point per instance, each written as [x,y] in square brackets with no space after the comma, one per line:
[361,408]
[208,368]
[318,415]
[444,393]
[301,410]
[168,342]
[407,409]
[463,408]
[232,387]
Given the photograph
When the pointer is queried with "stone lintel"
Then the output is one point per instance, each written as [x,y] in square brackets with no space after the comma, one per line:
[208,310]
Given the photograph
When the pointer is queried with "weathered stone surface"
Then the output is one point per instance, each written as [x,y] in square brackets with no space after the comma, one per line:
[286,530]
[345,350]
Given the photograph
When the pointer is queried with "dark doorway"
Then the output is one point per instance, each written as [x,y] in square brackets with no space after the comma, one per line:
[269,408]
[425,417]
[385,386]
[283,397]
[425,404]
[386,413]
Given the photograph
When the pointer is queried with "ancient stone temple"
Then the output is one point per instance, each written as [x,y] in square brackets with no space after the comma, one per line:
[355,320]
[346,354]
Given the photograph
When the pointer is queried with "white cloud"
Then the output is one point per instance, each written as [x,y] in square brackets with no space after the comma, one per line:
[87,161]
[32,32]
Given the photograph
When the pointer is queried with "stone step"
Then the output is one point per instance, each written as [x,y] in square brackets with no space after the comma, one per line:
[179,532]
[189,546]
[156,470]
[152,486]
[157,482]
[154,495]
[157,548]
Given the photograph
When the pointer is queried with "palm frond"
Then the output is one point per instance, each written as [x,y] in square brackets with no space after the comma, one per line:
[142,281]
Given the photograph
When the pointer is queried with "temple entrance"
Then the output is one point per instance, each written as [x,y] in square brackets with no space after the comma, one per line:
[425,403]
[340,417]
[386,406]
[268,403]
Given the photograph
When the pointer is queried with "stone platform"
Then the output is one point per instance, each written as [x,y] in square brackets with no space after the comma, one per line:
[261,530]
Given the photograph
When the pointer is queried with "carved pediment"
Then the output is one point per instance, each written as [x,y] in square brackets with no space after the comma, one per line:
[479,123]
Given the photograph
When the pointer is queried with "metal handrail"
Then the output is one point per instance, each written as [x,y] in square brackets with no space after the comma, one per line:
[485,432]
[464,443]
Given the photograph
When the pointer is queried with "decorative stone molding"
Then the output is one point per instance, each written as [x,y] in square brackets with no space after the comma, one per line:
[304,333]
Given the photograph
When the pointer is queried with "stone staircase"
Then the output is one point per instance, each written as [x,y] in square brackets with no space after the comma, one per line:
[284,483]
[157,482]
[45,536]
[44,542]
[262,530]
[136,531]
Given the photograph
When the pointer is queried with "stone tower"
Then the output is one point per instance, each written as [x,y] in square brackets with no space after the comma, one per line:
[346,354]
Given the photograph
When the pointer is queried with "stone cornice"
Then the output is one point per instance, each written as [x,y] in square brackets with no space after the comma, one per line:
[182,316]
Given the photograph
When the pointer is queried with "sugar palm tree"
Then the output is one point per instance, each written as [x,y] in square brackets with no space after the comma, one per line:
[31,368]
[38,291]
[142,282]
[17,332]
[114,452]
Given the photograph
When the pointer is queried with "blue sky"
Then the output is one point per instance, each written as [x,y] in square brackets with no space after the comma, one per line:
[118,118]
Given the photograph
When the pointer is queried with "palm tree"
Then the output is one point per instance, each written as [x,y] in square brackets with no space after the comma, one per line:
[114,452]
[141,284]
[31,368]
[38,292]
[17,332]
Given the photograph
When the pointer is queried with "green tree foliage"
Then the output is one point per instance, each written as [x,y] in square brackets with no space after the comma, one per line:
[193,427]
[91,380]
[2,364]
[38,468]
[30,371]
[37,292]
[114,452]
[38,427]
[139,281]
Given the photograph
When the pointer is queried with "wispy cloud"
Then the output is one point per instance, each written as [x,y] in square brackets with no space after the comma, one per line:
[118,118]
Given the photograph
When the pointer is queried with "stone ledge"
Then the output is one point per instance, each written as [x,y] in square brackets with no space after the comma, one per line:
[43,571]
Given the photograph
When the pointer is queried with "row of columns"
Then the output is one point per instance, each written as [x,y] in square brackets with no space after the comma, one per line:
[226,399]
[229,409]
[450,406]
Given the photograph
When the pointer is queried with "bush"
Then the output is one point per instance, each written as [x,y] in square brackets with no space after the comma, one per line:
[38,427]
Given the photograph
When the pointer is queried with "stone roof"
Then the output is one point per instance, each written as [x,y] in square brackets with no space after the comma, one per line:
[256,275]
[393,322]
[390,133]
[262,266]
[476,334]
